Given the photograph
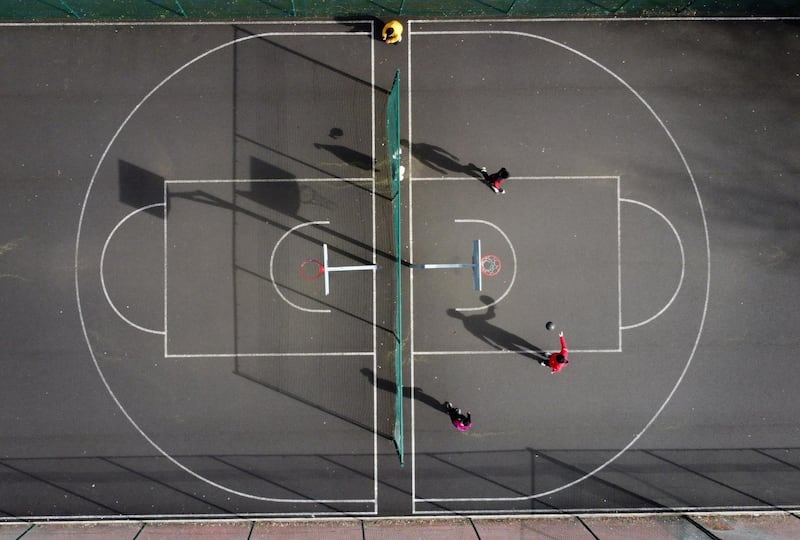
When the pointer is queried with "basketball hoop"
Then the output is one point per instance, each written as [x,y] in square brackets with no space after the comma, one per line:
[490,265]
[307,269]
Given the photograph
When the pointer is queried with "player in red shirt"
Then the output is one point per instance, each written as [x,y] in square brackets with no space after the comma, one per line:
[495,180]
[460,421]
[560,359]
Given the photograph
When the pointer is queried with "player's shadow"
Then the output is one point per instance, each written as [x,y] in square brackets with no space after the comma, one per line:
[441,160]
[479,326]
[300,56]
[391,387]
[357,22]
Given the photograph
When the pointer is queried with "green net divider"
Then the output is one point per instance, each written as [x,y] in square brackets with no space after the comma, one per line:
[129,10]
[395,152]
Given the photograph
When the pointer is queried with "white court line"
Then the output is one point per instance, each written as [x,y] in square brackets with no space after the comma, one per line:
[643,20]
[166,268]
[677,148]
[410,165]
[374,284]
[619,268]
[285,22]
[266,180]
[655,511]
[188,518]
[265,355]
[550,177]
[272,266]
[84,329]
[509,351]
[683,264]
[103,262]
[513,256]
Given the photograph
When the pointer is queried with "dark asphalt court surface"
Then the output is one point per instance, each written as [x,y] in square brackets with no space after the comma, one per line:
[168,349]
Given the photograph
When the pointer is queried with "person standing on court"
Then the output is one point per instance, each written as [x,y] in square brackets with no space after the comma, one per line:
[495,180]
[392,32]
[460,421]
[560,359]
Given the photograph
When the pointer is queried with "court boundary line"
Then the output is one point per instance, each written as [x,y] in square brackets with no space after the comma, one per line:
[374,281]
[104,380]
[644,20]
[701,209]
[612,512]
[412,337]
[233,516]
[532,514]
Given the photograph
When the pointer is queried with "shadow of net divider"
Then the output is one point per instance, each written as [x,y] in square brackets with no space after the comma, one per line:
[335,385]
[164,10]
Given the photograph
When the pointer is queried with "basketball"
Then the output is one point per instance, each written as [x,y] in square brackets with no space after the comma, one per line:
[550,325]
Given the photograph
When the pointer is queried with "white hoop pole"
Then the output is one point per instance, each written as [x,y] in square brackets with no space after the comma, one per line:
[325,268]
[477,275]
[340,268]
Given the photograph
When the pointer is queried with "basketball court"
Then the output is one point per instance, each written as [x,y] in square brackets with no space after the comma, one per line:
[227,334]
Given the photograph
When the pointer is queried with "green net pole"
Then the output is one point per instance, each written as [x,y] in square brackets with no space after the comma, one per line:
[395,151]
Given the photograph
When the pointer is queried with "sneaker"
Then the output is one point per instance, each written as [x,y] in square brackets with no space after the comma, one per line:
[448,405]
[483,169]
[501,190]
[495,189]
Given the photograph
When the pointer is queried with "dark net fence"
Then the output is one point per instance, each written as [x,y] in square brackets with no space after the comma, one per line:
[129,10]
